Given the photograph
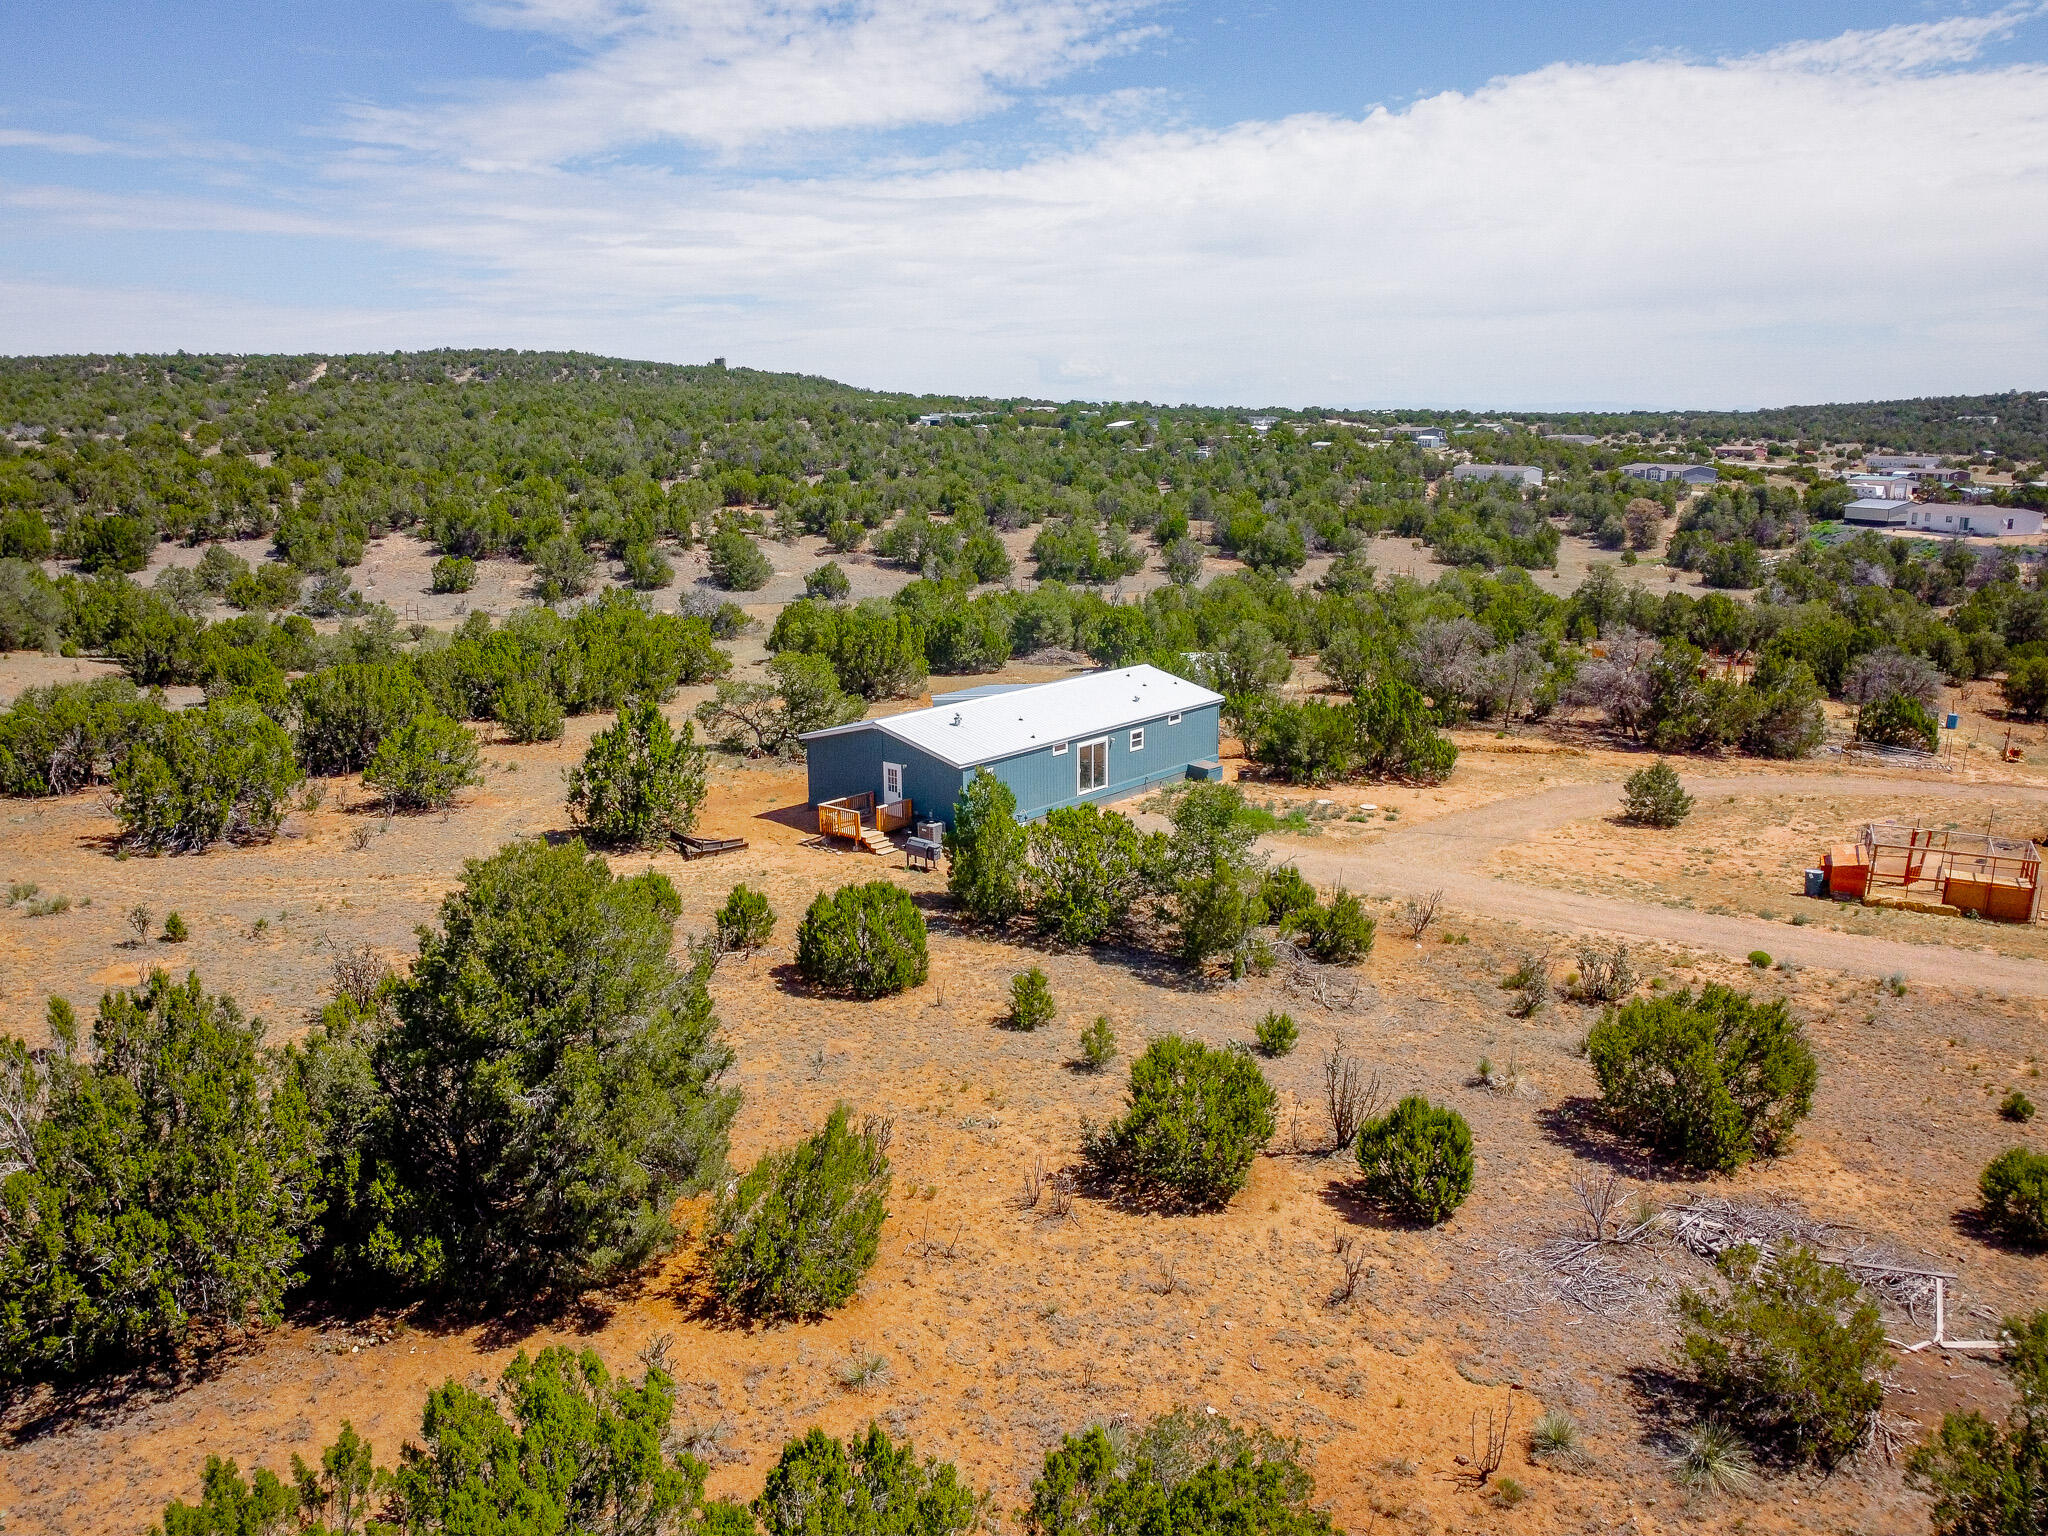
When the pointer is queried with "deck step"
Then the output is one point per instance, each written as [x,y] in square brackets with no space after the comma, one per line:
[875,842]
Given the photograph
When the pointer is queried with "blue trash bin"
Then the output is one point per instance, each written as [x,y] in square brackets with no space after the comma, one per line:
[1816,882]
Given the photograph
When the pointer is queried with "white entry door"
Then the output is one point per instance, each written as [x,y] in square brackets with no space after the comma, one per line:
[892,783]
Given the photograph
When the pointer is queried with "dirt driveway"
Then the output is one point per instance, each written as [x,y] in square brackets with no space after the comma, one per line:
[1450,853]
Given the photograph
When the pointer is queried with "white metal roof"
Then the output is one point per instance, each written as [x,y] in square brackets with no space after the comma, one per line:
[1002,725]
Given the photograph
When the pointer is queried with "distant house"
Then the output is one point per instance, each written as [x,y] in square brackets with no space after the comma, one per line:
[1427,437]
[1527,474]
[1577,439]
[1882,487]
[1754,451]
[1093,737]
[1689,474]
[1973,522]
[1877,512]
[1883,461]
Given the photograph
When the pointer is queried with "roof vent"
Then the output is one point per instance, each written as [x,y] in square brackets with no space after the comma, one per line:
[956,717]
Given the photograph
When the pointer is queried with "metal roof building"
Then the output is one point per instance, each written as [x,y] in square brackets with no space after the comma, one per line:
[1527,474]
[1691,474]
[1093,737]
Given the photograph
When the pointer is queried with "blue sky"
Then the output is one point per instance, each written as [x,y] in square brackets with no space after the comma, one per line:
[1591,203]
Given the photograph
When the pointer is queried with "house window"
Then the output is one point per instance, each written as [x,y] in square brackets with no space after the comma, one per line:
[1173,719]
[1138,740]
[1091,765]
[1060,750]
[892,783]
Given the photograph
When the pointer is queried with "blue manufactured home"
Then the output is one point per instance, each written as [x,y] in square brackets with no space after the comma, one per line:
[1094,737]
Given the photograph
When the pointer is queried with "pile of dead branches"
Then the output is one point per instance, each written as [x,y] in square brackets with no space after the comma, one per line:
[1327,986]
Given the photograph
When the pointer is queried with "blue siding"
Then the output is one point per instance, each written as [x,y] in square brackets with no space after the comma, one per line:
[852,764]
[1043,782]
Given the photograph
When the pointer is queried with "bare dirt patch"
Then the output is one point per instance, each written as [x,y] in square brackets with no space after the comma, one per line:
[1747,854]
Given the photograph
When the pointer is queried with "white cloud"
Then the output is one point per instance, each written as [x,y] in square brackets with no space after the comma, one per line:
[731,73]
[56,143]
[1916,45]
[1825,224]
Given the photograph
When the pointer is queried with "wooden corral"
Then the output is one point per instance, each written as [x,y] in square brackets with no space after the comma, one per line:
[1927,869]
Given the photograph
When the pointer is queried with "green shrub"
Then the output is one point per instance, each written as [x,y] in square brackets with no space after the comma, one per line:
[872,1486]
[865,940]
[24,536]
[624,653]
[175,931]
[1417,1160]
[32,613]
[647,569]
[1897,720]
[746,921]
[1789,1356]
[639,784]
[59,739]
[345,711]
[529,711]
[424,763]
[1098,1044]
[760,719]
[1339,934]
[269,587]
[224,773]
[1187,1474]
[1088,869]
[795,1235]
[1988,1481]
[1031,1001]
[1397,736]
[1653,797]
[2016,1107]
[1286,892]
[877,650]
[117,542]
[475,1470]
[1195,1119]
[987,851]
[1277,1034]
[1556,1434]
[1711,1458]
[1208,865]
[333,594]
[546,1030]
[1304,742]
[562,567]
[827,582]
[454,573]
[2014,1190]
[2025,686]
[1760,959]
[164,1188]
[1710,1082]
[736,562]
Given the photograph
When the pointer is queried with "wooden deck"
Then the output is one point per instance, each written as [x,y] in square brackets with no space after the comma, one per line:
[847,818]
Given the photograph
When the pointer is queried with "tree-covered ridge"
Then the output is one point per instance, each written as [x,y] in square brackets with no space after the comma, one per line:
[489,452]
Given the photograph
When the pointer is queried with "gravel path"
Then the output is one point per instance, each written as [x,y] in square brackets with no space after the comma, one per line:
[1451,853]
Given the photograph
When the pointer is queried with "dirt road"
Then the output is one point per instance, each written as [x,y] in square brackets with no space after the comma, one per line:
[1450,854]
